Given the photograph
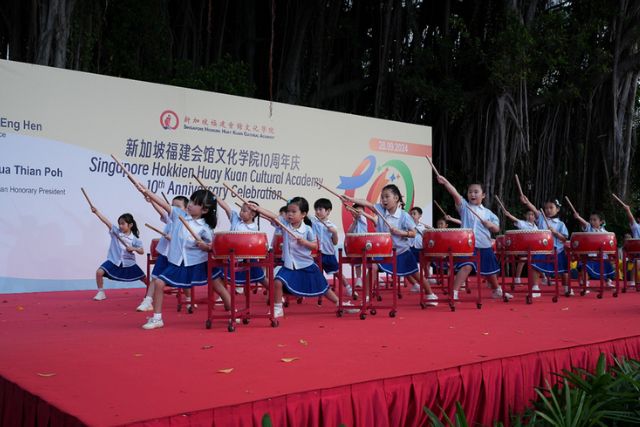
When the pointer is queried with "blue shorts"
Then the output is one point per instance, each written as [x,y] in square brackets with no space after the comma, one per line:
[330,264]
[593,269]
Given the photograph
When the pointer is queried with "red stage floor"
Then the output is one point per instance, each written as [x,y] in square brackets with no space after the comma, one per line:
[92,360]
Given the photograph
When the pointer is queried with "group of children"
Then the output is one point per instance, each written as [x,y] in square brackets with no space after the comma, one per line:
[186,240]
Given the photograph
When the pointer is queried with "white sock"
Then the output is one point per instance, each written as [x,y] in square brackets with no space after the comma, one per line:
[157,316]
[148,299]
[277,305]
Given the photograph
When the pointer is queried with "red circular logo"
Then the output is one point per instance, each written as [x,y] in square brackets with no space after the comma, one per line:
[169,120]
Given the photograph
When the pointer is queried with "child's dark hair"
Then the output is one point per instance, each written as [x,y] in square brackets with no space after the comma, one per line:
[558,205]
[182,199]
[283,209]
[395,190]
[207,200]
[478,183]
[128,218]
[416,209]
[303,205]
[598,214]
[357,206]
[323,204]
[255,214]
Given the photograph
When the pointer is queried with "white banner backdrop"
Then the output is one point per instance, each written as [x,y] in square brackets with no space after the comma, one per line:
[58,129]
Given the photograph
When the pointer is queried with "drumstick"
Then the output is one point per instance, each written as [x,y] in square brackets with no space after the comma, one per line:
[439,208]
[190,230]
[261,216]
[624,205]
[519,186]
[382,217]
[166,236]
[545,219]
[126,171]
[330,191]
[325,224]
[165,198]
[233,193]
[87,197]
[282,226]
[473,212]
[277,195]
[570,205]
[501,204]
[351,209]
[432,166]
[200,182]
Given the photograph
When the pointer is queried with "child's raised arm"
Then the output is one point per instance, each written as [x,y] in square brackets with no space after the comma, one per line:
[449,218]
[225,207]
[581,220]
[102,218]
[529,205]
[457,198]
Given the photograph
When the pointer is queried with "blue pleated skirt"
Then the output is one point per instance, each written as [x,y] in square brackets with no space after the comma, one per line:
[256,273]
[122,274]
[186,277]
[594,272]
[406,265]
[161,263]
[306,282]
[547,268]
[489,264]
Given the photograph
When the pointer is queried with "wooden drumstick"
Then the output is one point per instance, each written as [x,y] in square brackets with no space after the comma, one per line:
[545,219]
[284,227]
[501,204]
[519,186]
[439,208]
[432,166]
[166,236]
[233,193]
[624,205]
[164,196]
[87,197]
[330,191]
[570,205]
[382,217]
[126,171]
[261,216]
[473,212]
[202,184]
[324,223]
[277,195]
[190,230]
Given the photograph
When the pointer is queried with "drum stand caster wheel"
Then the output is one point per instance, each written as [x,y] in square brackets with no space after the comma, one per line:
[299,300]
[179,307]
[231,328]
[599,296]
[505,299]
[583,293]
[452,306]
[554,299]
[373,312]
[190,309]
[363,316]
[528,299]
[207,324]
[615,295]
[479,306]
[274,323]
[339,313]
[245,321]
[392,313]
[423,305]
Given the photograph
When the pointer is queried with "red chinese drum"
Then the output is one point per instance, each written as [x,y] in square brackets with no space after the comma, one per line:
[154,248]
[632,246]
[243,244]
[521,242]
[590,243]
[448,241]
[277,246]
[370,244]
[500,243]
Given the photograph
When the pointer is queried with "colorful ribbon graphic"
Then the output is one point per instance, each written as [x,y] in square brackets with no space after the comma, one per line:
[361,175]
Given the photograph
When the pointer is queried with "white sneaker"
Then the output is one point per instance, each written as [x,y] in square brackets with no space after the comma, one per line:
[498,294]
[566,289]
[145,305]
[348,291]
[415,288]
[631,284]
[517,280]
[153,323]
[432,281]
[432,300]
[610,284]
[352,310]
[100,296]
[239,290]
[535,294]
[278,311]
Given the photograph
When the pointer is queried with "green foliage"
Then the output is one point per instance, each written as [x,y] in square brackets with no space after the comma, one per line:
[225,76]
[266,421]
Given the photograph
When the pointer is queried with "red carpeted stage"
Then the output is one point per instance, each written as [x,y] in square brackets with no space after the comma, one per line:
[68,360]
